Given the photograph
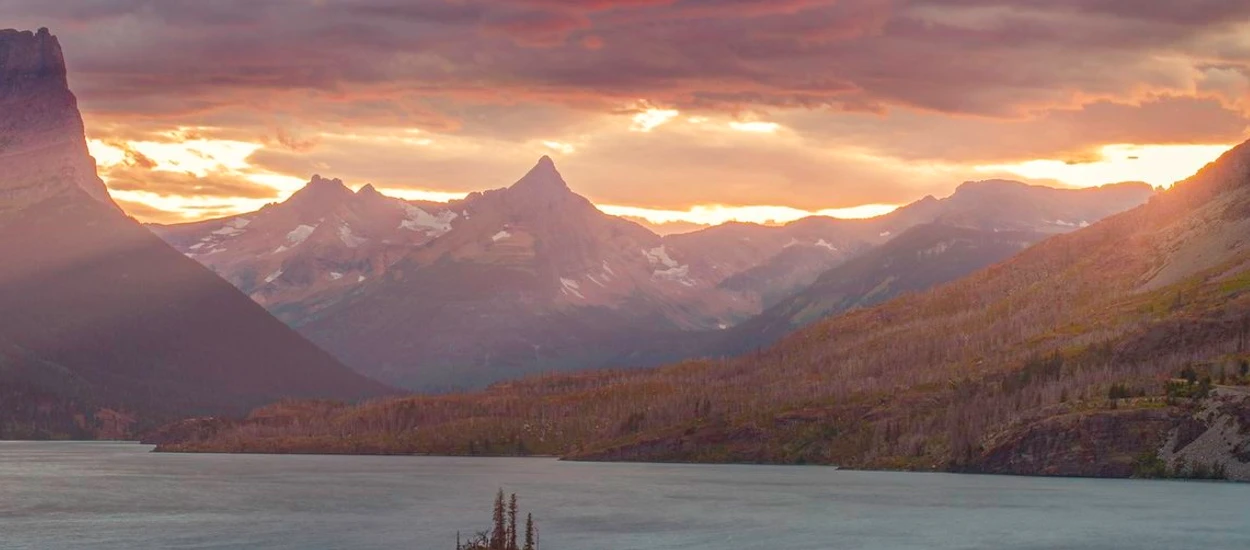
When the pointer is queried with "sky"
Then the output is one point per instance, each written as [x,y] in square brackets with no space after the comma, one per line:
[683,111]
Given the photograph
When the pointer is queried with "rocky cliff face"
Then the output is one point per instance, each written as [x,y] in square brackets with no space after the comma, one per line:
[1209,438]
[102,323]
[42,150]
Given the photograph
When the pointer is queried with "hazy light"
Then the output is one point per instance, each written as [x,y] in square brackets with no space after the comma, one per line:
[200,158]
[422,195]
[559,146]
[717,214]
[651,119]
[859,212]
[105,154]
[1153,164]
[755,127]
[191,208]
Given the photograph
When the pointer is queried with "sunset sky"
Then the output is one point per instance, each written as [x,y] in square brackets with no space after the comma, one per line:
[674,110]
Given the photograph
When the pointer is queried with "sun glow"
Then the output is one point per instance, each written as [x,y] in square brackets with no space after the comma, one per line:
[651,119]
[422,195]
[756,127]
[717,214]
[197,157]
[203,157]
[1153,164]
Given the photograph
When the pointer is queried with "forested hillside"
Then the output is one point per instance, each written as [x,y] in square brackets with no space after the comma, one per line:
[1081,334]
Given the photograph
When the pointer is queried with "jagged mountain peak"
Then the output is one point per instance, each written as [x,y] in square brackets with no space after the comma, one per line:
[30,58]
[543,178]
[318,181]
[368,191]
[320,194]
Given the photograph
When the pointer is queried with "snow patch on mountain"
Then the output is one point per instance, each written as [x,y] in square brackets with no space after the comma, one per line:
[679,274]
[300,234]
[351,240]
[273,276]
[334,275]
[667,268]
[1063,223]
[500,236]
[571,288]
[233,228]
[659,255]
[228,231]
[825,244]
[420,220]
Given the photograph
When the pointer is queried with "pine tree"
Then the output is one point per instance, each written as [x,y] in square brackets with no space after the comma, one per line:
[529,532]
[499,537]
[512,513]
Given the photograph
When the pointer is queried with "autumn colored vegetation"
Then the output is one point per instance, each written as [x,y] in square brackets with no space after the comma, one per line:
[1096,320]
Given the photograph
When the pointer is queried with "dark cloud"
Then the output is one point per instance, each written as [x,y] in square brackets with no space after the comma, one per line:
[1058,133]
[949,82]
[957,56]
[166,183]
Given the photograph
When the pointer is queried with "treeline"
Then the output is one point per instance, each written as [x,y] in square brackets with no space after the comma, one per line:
[1089,320]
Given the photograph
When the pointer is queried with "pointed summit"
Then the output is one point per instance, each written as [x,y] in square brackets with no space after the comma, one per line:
[543,179]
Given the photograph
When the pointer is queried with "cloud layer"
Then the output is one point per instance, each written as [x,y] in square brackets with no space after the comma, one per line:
[804,103]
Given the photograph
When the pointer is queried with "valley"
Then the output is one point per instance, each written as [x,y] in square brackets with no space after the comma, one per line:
[948,379]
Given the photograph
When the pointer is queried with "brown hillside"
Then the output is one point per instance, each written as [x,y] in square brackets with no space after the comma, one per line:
[928,380]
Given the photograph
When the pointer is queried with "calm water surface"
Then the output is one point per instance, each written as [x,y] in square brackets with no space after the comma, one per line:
[104,496]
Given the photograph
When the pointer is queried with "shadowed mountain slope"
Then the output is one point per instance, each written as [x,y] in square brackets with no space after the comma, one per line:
[106,327]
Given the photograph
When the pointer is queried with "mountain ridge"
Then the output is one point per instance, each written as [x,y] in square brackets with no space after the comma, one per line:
[537,254]
[1062,360]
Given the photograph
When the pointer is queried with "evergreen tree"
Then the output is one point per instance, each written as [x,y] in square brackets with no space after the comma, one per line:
[512,513]
[529,532]
[499,537]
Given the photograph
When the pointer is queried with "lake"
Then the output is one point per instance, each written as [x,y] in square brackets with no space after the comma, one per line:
[104,496]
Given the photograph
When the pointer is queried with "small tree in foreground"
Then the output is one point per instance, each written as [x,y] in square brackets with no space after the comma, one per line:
[504,533]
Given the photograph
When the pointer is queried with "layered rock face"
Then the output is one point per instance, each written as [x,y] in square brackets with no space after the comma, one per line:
[42,151]
[97,314]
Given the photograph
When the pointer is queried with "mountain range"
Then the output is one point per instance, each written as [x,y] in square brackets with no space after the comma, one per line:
[1007,328]
[533,278]
[1119,349]
[106,327]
